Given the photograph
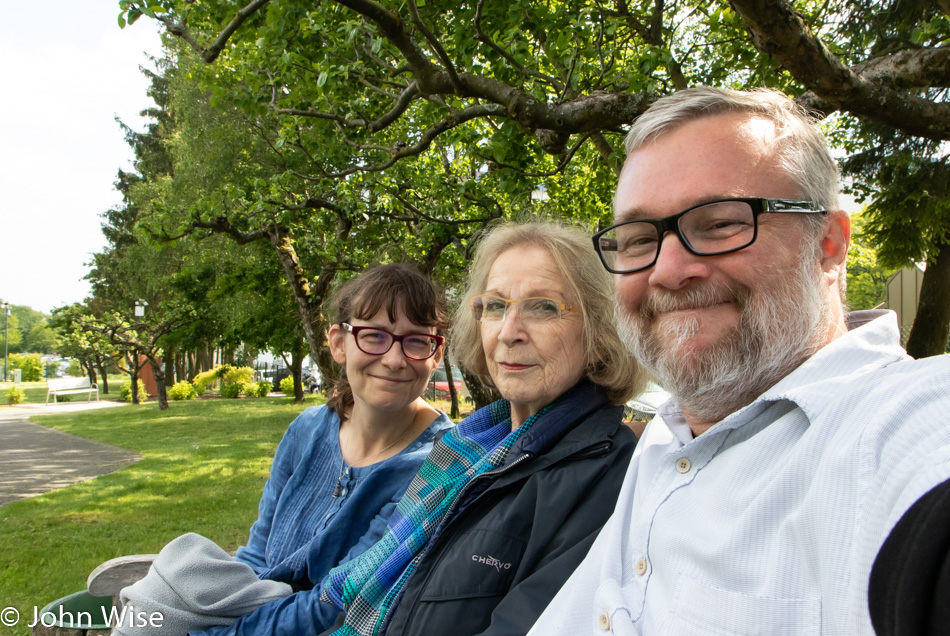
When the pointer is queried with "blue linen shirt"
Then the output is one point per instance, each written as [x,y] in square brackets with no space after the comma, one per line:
[302,530]
[770,521]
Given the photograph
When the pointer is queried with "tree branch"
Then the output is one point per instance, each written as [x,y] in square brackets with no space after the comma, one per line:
[778,31]
[211,53]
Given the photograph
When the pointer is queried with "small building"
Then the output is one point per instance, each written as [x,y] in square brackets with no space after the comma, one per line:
[903,294]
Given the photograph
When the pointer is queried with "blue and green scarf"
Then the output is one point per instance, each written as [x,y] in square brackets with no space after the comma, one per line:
[367,586]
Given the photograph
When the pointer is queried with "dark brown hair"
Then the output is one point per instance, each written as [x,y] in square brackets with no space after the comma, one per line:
[400,288]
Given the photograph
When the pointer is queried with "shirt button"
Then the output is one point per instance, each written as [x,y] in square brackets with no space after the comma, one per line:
[683,465]
[604,621]
[641,567]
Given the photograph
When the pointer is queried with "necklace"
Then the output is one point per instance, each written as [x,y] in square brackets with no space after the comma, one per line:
[344,469]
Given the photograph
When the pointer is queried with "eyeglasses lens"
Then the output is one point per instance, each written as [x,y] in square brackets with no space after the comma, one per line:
[416,346]
[494,309]
[719,227]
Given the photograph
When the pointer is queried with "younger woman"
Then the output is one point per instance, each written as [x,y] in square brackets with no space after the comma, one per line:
[337,473]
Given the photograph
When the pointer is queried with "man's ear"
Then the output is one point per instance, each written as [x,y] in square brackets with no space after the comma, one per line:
[335,339]
[835,242]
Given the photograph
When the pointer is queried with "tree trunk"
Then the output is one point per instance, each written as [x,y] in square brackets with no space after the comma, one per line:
[169,360]
[928,336]
[308,306]
[193,368]
[103,375]
[453,394]
[134,375]
[91,368]
[481,394]
[205,359]
[296,367]
[159,374]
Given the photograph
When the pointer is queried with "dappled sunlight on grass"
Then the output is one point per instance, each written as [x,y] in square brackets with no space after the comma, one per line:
[203,467]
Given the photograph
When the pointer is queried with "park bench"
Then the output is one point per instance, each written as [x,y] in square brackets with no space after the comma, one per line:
[70,386]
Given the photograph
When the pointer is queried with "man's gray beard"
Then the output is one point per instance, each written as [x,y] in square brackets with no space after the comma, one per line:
[776,332]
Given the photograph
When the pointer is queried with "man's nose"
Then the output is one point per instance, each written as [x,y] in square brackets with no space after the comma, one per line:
[675,265]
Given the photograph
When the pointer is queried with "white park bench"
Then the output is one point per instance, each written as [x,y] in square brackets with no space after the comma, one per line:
[70,386]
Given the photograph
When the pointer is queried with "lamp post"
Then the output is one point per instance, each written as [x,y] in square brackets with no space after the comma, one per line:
[6,339]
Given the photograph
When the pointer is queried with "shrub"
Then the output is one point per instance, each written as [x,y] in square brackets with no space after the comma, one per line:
[75,369]
[287,385]
[237,375]
[230,391]
[258,389]
[183,390]
[228,374]
[30,365]
[126,391]
[205,379]
[14,395]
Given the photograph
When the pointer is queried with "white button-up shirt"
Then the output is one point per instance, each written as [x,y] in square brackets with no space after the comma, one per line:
[769,522]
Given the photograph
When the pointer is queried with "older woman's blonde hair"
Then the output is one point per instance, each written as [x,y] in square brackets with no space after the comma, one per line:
[588,286]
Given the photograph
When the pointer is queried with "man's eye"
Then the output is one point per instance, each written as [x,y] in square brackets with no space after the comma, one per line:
[636,241]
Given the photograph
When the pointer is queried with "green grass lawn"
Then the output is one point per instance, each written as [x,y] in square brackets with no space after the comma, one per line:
[203,467]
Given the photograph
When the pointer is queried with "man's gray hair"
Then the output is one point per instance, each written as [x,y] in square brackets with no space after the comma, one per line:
[802,149]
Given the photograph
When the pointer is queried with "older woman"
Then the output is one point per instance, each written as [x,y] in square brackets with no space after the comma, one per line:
[508,503]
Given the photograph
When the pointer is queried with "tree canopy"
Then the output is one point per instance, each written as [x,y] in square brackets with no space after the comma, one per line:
[352,131]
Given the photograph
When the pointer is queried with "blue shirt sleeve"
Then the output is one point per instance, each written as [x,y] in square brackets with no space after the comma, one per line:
[300,613]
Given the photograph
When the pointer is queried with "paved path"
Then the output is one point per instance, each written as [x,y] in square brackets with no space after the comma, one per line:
[35,459]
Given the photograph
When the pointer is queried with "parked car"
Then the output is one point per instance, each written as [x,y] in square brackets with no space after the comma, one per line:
[439,384]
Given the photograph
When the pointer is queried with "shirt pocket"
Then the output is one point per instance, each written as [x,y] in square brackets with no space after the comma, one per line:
[702,609]
[477,563]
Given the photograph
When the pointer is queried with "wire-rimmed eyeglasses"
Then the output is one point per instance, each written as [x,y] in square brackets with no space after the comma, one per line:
[375,342]
[709,229]
[489,308]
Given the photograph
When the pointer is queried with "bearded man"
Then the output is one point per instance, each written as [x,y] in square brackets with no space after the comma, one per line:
[801,443]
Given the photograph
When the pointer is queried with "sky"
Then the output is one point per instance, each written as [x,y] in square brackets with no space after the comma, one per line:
[67,71]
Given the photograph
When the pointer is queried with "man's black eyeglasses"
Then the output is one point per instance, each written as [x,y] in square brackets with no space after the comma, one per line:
[717,227]
[376,342]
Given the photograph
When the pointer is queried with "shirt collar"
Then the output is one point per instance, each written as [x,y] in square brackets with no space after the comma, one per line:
[872,342]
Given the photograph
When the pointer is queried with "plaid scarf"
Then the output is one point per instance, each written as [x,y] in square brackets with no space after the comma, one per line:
[367,586]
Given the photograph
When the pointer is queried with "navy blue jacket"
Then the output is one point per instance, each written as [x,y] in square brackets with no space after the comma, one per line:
[517,533]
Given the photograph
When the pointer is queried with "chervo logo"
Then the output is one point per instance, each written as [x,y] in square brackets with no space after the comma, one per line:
[492,561]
